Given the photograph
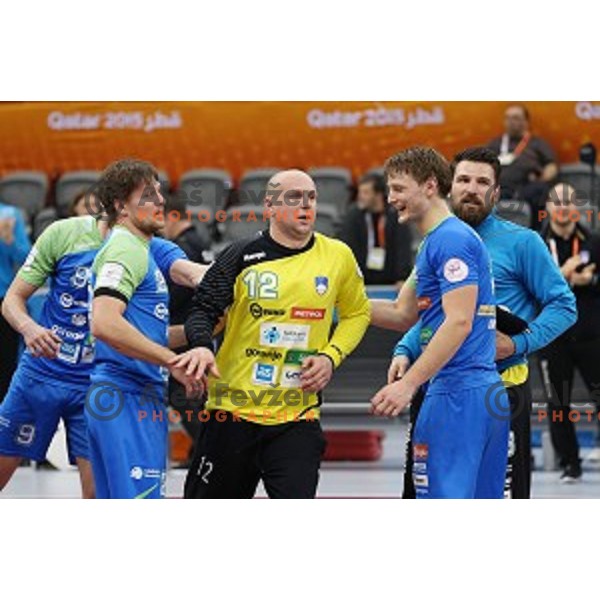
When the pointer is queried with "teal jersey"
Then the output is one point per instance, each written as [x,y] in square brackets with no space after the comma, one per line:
[126,269]
[63,254]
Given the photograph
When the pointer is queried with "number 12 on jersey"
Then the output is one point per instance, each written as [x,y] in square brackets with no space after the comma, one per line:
[261,285]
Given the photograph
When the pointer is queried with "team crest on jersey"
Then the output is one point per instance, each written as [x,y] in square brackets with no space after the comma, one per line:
[321,285]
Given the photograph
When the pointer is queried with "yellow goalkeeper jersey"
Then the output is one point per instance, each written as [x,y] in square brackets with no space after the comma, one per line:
[280,306]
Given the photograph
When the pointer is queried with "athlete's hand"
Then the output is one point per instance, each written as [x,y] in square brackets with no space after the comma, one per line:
[41,342]
[193,388]
[398,368]
[316,373]
[196,362]
[505,347]
[392,399]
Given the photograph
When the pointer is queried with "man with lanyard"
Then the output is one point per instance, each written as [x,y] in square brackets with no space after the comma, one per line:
[381,245]
[529,163]
[576,251]
[525,277]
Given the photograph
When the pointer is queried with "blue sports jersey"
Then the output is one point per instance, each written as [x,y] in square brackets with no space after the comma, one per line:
[452,256]
[63,255]
[125,268]
[528,283]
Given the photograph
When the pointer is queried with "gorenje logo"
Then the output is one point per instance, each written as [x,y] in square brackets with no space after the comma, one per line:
[256,353]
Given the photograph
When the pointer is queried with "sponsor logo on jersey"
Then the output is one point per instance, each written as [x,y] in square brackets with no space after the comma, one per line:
[420,480]
[66,334]
[455,270]
[423,303]
[255,256]
[487,310]
[420,467]
[80,278]
[136,473]
[67,301]
[296,357]
[263,374]
[268,354]
[425,335]
[257,311]
[87,354]
[283,335]
[79,320]
[161,311]
[321,285]
[69,353]
[420,452]
[110,275]
[161,284]
[308,314]
[290,376]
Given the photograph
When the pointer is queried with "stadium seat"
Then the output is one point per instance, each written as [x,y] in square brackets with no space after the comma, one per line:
[69,185]
[518,212]
[327,221]
[253,186]
[25,189]
[45,217]
[579,176]
[205,189]
[334,185]
[238,226]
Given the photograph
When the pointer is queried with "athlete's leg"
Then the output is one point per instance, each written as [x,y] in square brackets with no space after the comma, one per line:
[29,417]
[492,471]
[128,451]
[519,467]
[448,443]
[409,492]
[290,458]
[78,440]
[8,465]
[224,462]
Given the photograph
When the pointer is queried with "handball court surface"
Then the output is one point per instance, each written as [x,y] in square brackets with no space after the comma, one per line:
[380,479]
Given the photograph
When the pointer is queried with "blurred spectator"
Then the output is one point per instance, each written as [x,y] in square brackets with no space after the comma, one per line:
[381,245]
[14,247]
[528,162]
[180,230]
[577,252]
[84,204]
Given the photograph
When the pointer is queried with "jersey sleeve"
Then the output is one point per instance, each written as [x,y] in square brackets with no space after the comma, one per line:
[455,259]
[213,296]
[44,255]
[165,253]
[120,268]
[354,310]
[544,281]
[410,343]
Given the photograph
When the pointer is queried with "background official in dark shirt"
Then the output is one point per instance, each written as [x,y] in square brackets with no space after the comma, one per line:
[381,245]
[577,251]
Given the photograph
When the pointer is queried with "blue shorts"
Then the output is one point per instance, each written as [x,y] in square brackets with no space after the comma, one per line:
[30,414]
[460,449]
[128,443]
